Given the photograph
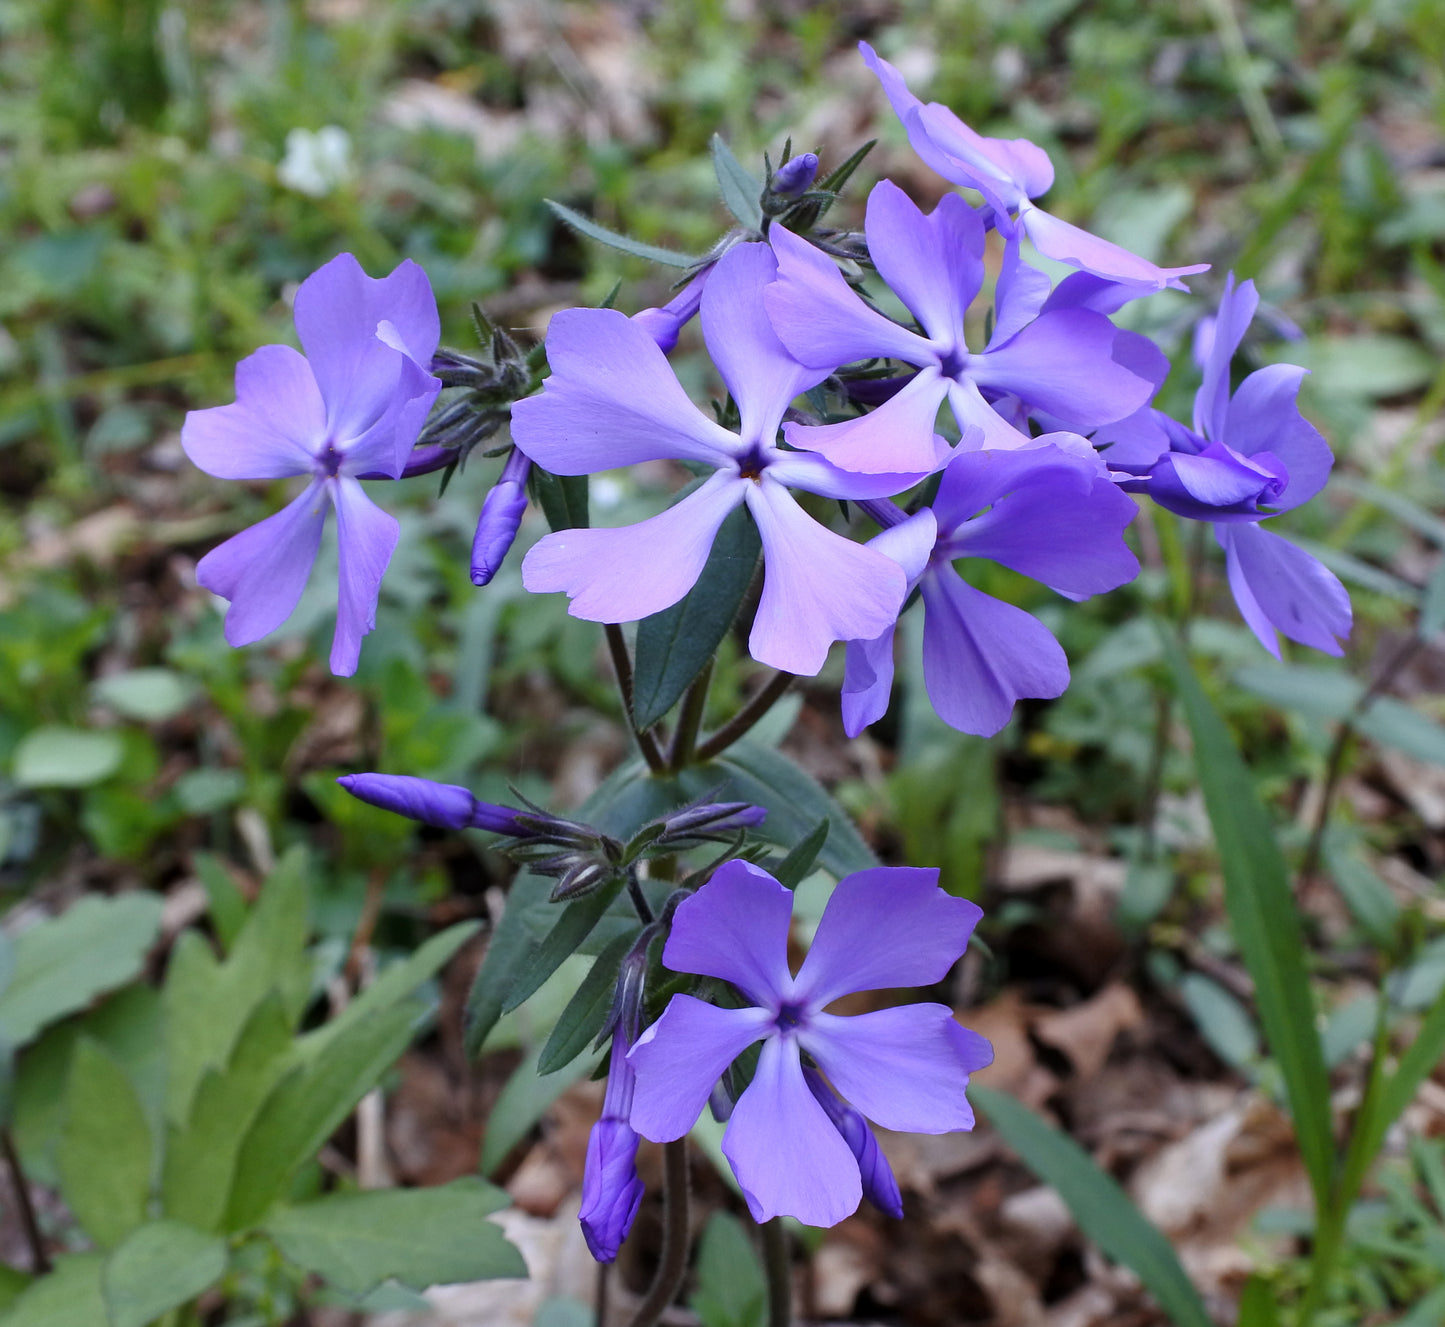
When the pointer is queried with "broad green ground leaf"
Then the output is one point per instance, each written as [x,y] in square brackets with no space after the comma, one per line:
[522,1102]
[105,1150]
[675,644]
[227,903]
[309,1104]
[588,1008]
[420,1237]
[69,1296]
[1264,921]
[509,950]
[200,1159]
[61,965]
[209,1002]
[1102,1209]
[55,757]
[732,1290]
[160,1266]
[741,190]
[586,226]
[147,694]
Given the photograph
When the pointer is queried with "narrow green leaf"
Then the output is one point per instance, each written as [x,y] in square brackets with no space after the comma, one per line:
[795,867]
[796,802]
[105,1147]
[1326,693]
[1102,1209]
[159,1267]
[524,1100]
[741,191]
[200,1159]
[573,926]
[420,1237]
[563,498]
[310,1103]
[1223,1021]
[674,645]
[1403,727]
[732,1290]
[1264,920]
[588,1008]
[228,904]
[509,950]
[1257,1306]
[70,1296]
[584,225]
[61,965]
[1416,1065]
[1432,604]
[208,1003]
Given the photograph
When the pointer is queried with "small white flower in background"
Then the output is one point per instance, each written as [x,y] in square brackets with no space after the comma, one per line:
[316,161]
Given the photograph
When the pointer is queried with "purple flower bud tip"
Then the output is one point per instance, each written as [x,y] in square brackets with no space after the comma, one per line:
[445,805]
[501,517]
[796,175]
[714,818]
[611,1191]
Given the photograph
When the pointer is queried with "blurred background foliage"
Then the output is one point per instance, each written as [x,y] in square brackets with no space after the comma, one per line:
[169,173]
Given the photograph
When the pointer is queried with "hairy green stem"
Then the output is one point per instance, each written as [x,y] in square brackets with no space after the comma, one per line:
[622,666]
[779,1270]
[744,720]
[674,1235]
[689,719]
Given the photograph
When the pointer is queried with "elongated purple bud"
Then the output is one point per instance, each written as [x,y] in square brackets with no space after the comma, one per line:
[879,1186]
[445,805]
[665,325]
[611,1191]
[501,517]
[795,176]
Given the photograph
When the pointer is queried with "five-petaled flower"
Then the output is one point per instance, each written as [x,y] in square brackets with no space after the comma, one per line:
[903,1068]
[352,406]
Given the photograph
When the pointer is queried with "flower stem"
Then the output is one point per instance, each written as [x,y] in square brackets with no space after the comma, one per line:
[744,720]
[39,1259]
[674,1235]
[622,665]
[779,1270]
[689,720]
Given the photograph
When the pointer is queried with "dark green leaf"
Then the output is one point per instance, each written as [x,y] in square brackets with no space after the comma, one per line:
[159,1267]
[509,950]
[13,1284]
[1257,1306]
[563,498]
[1102,1209]
[732,1290]
[573,926]
[420,1237]
[523,1101]
[796,866]
[1265,922]
[833,183]
[586,226]
[105,1148]
[61,965]
[674,645]
[588,1008]
[741,192]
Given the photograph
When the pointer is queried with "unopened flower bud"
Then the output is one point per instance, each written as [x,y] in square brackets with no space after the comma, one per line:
[795,176]
[501,516]
[445,805]
[879,1186]
[611,1191]
[711,818]
[664,325]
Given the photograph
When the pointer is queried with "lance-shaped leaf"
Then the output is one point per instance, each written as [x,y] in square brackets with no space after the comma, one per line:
[674,645]
[574,924]
[588,1008]
[1265,923]
[584,225]
[159,1267]
[68,1296]
[741,191]
[510,950]
[420,1237]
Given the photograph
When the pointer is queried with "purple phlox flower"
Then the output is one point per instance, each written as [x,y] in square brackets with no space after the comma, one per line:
[445,805]
[501,517]
[1049,513]
[903,1068]
[1010,173]
[665,325]
[1061,363]
[611,1190]
[1249,456]
[353,405]
[612,400]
